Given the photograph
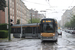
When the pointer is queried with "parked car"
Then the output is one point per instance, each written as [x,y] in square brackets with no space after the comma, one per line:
[59,32]
[66,30]
[72,31]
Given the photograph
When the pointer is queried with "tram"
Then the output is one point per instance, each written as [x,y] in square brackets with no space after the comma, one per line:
[49,29]
[28,30]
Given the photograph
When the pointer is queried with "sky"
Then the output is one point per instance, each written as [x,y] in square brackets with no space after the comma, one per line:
[53,8]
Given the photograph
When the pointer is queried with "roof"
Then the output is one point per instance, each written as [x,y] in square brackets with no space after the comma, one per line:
[49,18]
[32,24]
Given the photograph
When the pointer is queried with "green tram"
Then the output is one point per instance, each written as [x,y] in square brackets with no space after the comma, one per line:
[49,29]
[28,30]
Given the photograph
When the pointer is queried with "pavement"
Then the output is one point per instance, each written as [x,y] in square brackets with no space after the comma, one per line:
[12,40]
[66,41]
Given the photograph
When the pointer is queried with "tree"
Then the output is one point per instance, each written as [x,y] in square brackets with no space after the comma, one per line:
[2,5]
[73,21]
[18,21]
[34,20]
[67,24]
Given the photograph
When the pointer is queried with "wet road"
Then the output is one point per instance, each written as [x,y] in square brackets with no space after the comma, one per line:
[65,42]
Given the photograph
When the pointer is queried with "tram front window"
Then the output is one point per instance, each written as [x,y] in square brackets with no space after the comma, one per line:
[48,28]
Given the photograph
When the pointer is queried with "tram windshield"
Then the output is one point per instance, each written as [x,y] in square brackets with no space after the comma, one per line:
[47,28]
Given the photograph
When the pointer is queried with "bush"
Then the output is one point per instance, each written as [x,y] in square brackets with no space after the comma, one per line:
[3,33]
[3,26]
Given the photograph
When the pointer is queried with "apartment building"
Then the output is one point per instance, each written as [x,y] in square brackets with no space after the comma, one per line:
[2,17]
[35,14]
[22,12]
[73,10]
[18,10]
[11,6]
[41,16]
[66,17]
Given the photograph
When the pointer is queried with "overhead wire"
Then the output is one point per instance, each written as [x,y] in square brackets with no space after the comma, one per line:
[35,3]
[48,3]
[71,4]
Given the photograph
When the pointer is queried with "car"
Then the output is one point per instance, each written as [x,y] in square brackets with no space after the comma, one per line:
[66,30]
[73,32]
[59,32]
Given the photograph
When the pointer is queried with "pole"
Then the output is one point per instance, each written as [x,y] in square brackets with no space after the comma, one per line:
[21,26]
[21,31]
[9,31]
[31,17]
[45,15]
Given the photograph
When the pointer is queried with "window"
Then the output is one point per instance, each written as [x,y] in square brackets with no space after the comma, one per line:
[48,27]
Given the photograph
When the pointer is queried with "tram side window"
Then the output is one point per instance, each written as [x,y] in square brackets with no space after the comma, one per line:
[28,30]
[15,30]
[12,30]
[23,30]
[34,30]
[18,30]
[38,29]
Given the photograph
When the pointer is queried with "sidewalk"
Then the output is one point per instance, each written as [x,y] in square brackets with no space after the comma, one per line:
[12,40]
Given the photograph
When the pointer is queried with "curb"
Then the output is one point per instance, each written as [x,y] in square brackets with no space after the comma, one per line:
[12,40]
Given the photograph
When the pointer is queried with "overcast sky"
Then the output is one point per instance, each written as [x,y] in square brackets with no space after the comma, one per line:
[54,8]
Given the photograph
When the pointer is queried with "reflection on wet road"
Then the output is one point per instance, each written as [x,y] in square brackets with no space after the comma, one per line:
[66,41]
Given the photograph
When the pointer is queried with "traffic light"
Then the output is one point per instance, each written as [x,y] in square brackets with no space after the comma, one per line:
[11,22]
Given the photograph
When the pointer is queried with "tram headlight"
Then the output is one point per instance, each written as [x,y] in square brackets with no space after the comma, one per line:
[41,34]
[54,34]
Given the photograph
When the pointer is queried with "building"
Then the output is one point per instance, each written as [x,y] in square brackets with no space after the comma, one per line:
[12,8]
[35,14]
[2,17]
[73,10]
[22,12]
[41,16]
[66,17]
[18,11]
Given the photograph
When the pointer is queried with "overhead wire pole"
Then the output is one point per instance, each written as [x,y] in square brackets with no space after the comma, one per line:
[21,25]
[9,31]
[31,17]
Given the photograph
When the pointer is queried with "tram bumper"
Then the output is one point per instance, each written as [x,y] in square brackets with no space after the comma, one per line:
[49,38]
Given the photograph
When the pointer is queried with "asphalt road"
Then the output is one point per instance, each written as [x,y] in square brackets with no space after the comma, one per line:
[66,41]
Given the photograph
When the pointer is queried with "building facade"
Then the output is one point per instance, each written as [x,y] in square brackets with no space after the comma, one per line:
[22,12]
[18,10]
[35,14]
[67,16]
[2,17]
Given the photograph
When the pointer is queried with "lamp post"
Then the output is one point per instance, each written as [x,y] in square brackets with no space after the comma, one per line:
[9,31]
